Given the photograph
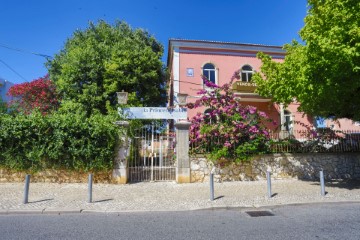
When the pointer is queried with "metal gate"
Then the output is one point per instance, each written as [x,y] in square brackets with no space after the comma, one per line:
[152,155]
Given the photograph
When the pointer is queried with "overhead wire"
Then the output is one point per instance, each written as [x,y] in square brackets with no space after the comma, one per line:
[13,70]
[25,51]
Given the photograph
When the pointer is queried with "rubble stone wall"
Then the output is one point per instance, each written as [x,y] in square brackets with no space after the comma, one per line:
[300,166]
[54,176]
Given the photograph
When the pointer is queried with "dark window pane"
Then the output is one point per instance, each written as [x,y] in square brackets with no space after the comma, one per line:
[212,76]
[249,76]
[208,66]
[247,68]
[243,77]
[206,74]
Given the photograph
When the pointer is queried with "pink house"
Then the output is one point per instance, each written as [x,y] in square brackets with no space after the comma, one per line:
[189,59]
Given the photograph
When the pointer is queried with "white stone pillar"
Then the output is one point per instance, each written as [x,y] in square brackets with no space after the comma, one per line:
[182,152]
[121,172]
[283,132]
[282,117]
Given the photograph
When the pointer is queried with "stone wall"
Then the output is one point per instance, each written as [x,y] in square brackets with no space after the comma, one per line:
[54,176]
[301,166]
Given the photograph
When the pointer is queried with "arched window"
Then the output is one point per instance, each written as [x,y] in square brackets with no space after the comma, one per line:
[246,73]
[288,121]
[209,72]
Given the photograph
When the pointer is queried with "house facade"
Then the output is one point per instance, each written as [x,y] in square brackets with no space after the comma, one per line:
[188,60]
[4,88]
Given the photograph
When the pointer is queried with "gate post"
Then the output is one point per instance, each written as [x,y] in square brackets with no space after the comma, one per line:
[182,152]
[121,172]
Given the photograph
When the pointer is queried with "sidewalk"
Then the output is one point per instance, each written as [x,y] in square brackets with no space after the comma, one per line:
[166,196]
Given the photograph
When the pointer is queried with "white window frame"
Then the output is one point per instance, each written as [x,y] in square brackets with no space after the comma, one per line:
[247,72]
[289,125]
[215,70]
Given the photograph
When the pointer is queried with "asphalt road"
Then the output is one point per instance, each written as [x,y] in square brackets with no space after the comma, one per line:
[311,221]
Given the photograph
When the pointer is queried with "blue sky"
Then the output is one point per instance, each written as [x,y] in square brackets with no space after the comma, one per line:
[39,26]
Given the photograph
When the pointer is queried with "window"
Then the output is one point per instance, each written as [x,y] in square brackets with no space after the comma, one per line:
[209,72]
[246,73]
[288,121]
[209,118]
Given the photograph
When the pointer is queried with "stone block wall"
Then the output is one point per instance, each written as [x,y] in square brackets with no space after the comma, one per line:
[54,176]
[301,166]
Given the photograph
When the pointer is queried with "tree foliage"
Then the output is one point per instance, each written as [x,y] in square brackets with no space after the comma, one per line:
[66,139]
[229,131]
[324,73]
[38,94]
[103,59]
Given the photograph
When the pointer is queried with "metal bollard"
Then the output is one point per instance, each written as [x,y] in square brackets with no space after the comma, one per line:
[26,192]
[211,187]
[90,187]
[268,177]
[322,183]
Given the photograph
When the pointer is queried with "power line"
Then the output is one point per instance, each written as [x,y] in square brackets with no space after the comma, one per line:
[25,51]
[187,82]
[13,70]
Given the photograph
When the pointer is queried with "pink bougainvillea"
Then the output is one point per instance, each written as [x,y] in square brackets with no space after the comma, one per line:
[38,94]
[228,131]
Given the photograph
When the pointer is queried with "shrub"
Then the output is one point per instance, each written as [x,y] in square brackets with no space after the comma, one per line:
[60,140]
[229,131]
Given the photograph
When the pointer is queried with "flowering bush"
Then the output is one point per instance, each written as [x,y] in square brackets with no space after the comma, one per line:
[228,131]
[39,94]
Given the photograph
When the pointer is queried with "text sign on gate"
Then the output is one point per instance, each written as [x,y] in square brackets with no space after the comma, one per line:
[153,113]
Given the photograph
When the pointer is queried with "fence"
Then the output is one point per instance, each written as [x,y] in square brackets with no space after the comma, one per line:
[306,141]
[320,140]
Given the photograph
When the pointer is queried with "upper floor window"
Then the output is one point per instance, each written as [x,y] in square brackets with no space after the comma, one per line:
[288,121]
[209,72]
[246,73]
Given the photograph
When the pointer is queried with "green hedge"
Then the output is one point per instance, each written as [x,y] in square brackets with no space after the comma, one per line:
[62,140]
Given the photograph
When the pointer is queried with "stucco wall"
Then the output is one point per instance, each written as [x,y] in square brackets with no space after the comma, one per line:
[301,166]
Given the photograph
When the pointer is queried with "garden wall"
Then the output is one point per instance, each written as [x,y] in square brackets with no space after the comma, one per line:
[301,166]
[54,176]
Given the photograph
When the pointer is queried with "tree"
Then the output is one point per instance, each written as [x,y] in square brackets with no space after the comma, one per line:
[38,94]
[228,130]
[324,73]
[103,59]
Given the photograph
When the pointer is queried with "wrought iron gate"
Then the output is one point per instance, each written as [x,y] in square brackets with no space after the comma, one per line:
[152,155]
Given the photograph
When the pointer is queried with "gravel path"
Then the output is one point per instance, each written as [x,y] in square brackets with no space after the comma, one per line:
[167,196]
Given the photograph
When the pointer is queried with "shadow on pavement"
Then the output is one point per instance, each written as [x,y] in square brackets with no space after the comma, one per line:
[349,184]
[42,200]
[104,200]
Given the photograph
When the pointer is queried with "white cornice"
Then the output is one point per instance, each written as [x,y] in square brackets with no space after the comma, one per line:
[229,53]
[226,46]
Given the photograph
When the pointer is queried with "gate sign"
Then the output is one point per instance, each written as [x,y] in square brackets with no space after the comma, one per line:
[153,113]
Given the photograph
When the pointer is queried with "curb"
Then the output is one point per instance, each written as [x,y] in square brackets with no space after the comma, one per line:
[90,211]
[61,211]
[25,211]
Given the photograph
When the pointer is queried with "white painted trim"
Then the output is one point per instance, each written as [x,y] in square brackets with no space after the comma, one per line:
[176,73]
[224,46]
[227,53]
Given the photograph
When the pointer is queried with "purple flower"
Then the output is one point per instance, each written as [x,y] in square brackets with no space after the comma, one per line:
[253,129]
[227,144]
[262,114]
[203,91]
[252,110]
